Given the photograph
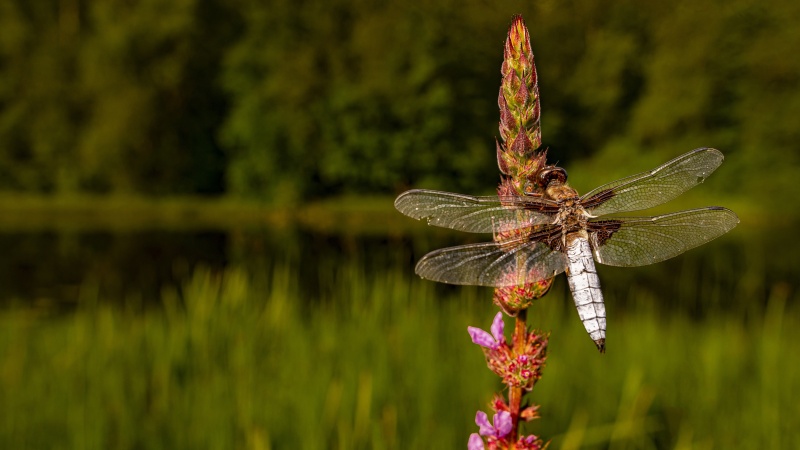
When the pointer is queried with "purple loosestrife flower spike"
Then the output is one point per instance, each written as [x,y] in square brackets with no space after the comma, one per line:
[519,154]
[475,442]
[521,159]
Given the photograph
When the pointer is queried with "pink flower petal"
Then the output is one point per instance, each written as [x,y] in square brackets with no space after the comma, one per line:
[482,338]
[475,442]
[482,421]
[530,439]
[497,327]
[502,423]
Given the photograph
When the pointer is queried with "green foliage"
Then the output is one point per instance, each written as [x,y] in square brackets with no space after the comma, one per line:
[283,100]
[352,97]
[712,77]
[105,96]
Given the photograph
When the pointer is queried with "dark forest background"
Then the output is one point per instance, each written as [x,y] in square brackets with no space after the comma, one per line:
[290,99]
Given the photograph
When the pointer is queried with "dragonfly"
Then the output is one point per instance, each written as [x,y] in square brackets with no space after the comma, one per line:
[538,236]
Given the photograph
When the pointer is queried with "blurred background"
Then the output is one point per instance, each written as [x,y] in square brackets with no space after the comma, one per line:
[199,248]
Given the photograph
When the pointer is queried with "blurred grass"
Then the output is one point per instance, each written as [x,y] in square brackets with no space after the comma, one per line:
[382,361]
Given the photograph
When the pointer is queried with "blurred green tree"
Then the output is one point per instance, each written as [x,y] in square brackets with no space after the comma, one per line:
[38,111]
[715,77]
[149,79]
[104,96]
[358,96]
[284,99]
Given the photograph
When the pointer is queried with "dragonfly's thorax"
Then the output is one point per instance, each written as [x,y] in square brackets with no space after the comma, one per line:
[561,192]
[571,216]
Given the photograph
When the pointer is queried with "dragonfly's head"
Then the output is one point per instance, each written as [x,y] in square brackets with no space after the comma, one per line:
[551,174]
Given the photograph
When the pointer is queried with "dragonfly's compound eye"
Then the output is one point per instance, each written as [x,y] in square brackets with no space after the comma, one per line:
[552,174]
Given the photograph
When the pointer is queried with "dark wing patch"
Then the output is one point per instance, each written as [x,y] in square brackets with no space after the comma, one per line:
[597,199]
[601,230]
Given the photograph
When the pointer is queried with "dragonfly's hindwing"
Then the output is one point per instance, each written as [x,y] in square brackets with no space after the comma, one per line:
[638,241]
[509,263]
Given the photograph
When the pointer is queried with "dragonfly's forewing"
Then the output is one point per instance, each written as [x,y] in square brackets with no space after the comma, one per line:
[638,241]
[493,264]
[655,187]
[475,214]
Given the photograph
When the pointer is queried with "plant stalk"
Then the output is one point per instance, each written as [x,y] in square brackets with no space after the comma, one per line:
[516,392]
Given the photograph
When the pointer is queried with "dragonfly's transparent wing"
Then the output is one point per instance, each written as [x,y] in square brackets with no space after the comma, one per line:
[638,241]
[655,187]
[475,214]
[492,264]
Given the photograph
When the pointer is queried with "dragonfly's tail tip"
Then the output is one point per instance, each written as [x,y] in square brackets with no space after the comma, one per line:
[601,345]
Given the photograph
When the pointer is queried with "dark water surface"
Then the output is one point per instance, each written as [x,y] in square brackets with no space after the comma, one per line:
[58,268]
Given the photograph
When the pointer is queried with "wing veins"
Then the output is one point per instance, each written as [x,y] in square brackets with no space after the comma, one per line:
[637,241]
[474,214]
[657,186]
